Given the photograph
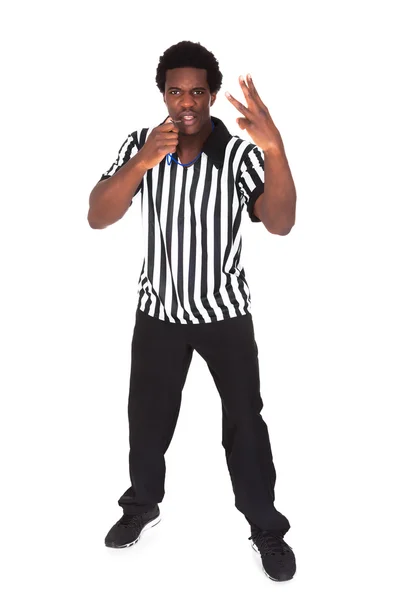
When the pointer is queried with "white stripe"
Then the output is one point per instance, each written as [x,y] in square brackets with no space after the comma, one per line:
[210,245]
[236,240]
[121,154]
[163,228]
[186,244]
[157,242]
[145,236]
[224,227]
[174,239]
[198,205]
[256,164]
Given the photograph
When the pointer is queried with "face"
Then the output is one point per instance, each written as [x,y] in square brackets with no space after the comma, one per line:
[188,98]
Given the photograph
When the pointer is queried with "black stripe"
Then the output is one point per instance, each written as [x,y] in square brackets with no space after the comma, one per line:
[180,234]
[168,234]
[142,138]
[193,243]
[231,188]
[123,156]
[251,171]
[204,247]
[217,250]
[241,285]
[141,291]
[161,283]
[150,240]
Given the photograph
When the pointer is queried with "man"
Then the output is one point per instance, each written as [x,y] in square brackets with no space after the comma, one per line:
[195,180]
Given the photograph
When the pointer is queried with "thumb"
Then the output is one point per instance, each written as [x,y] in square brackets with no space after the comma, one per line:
[243,123]
[172,126]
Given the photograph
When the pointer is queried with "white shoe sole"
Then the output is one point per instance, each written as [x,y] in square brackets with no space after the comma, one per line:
[148,525]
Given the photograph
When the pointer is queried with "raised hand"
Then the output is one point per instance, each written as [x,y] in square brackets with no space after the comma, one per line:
[256,119]
[161,141]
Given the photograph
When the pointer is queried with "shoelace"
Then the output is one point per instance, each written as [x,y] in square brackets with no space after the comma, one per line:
[130,520]
[269,543]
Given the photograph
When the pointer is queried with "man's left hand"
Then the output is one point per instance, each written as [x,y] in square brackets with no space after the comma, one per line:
[256,119]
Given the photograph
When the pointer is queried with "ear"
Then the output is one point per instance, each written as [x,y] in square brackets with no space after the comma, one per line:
[213,98]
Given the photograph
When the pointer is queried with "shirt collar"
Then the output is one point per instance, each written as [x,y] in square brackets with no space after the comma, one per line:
[216,143]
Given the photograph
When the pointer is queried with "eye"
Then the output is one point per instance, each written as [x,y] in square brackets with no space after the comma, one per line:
[174,92]
[198,92]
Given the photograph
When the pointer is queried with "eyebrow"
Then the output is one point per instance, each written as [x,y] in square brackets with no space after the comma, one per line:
[197,87]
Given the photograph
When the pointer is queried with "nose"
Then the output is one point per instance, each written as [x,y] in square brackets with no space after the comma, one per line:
[187,101]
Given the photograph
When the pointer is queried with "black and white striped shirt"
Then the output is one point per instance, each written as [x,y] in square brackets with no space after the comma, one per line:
[191,219]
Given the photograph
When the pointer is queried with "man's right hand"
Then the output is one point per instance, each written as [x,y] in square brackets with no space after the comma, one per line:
[161,141]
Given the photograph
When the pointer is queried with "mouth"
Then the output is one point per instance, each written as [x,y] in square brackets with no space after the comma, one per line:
[188,119]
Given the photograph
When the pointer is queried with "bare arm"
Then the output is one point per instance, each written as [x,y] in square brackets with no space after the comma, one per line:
[276,207]
[110,199]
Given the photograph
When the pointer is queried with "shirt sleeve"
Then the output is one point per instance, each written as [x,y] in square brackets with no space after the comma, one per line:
[129,148]
[250,181]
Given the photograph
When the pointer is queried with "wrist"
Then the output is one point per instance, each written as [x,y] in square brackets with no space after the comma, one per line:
[141,162]
[274,146]
[275,149]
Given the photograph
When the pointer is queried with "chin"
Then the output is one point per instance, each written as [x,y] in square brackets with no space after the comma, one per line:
[193,131]
[190,133]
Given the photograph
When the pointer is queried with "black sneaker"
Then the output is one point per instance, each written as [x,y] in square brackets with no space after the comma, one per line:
[277,557]
[129,528]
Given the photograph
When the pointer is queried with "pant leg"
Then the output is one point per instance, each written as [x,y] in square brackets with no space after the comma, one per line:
[231,353]
[160,363]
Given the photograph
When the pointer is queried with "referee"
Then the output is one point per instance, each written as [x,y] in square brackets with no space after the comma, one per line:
[196,181]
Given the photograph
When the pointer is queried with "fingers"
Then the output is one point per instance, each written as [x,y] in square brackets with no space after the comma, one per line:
[168,125]
[249,90]
[168,135]
[168,149]
[243,123]
[165,145]
[245,89]
[241,107]
[168,120]
[255,104]
[253,92]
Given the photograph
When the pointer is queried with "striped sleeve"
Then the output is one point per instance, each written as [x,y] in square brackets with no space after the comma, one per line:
[128,149]
[250,180]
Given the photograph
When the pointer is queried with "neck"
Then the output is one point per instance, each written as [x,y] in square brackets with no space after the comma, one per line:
[190,145]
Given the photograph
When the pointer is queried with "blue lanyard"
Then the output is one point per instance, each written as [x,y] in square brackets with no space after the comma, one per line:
[170,158]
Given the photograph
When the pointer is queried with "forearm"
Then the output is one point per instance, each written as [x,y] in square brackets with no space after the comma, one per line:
[111,198]
[278,206]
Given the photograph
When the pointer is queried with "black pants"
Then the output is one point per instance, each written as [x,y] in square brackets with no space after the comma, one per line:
[161,356]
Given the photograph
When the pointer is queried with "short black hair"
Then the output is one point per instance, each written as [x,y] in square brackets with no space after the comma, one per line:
[189,54]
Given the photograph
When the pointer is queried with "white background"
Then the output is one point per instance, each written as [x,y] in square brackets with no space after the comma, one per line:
[78,77]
